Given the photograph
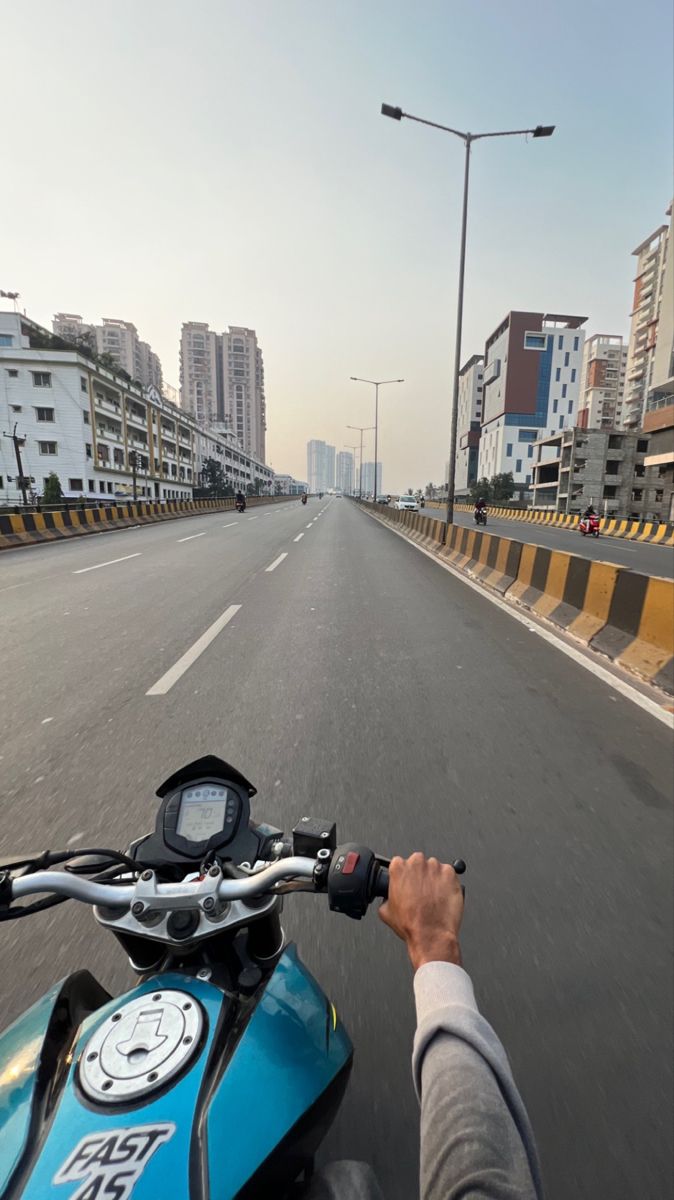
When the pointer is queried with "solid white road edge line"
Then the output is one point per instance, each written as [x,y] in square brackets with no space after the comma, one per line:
[299,537]
[595,668]
[192,537]
[164,685]
[274,565]
[109,563]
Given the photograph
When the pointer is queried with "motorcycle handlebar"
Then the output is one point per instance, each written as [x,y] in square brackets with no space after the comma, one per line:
[380,879]
[59,883]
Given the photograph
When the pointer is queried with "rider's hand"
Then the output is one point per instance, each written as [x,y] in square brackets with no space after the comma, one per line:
[424,907]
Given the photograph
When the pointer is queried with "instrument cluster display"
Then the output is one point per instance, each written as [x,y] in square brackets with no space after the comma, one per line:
[206,810]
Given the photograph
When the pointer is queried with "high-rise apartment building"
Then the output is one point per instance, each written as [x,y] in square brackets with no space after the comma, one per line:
[222,380]
[602,382]
[651,256]
[532,366]
[118,339]
[368,479]
[658,420]
[344,472]
[320,466]
[468,422]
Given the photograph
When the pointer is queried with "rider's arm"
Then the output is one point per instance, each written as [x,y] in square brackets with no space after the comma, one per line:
[475,1134]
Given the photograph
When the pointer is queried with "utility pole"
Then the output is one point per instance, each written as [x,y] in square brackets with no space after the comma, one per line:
[133,463]
[18,443]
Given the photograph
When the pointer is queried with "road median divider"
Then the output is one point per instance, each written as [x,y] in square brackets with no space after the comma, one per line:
[626,616]
[23,529]
[658,532]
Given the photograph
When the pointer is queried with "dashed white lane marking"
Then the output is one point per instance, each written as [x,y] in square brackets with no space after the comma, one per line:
[595,668]
[47,720]
[109,563]
[192,537]
[231,525]
[268,514]
[274,565]
[299,537]
[253,518]
[309,525]
[164,685]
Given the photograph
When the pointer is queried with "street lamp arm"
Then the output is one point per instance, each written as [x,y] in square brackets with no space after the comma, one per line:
[515,133]
[434,125]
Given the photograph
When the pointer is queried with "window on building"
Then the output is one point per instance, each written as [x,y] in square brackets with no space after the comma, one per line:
[637,493]
[13,373]
[560,342]
[573,374]
[47,447]
[558,374]
[90,451]
[101,486]
[509,450]
[659,493]
[610,491]
[566,359]
[615,442]
[528,480]
[41,378]
[564,391]
[6,339]
[642,445]
[530,451]
[639,470]
[518,466]
[570,407]
[535,341]
[554,405]
[92,485]
[561,422]
[44,414]
[110,488]
[576,343]
[83,382]
[75,485]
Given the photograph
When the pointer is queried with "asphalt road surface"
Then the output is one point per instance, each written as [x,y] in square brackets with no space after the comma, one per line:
[640,556]
[359,680]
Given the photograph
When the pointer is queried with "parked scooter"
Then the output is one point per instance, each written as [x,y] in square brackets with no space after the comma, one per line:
[589,525]
[220,1073]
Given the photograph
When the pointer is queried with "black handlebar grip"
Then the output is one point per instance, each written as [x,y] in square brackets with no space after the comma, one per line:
[379,889]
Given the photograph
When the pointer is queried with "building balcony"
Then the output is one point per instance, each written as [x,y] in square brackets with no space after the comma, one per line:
[107,404]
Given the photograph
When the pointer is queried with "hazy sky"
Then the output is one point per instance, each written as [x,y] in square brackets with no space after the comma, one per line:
[225,161]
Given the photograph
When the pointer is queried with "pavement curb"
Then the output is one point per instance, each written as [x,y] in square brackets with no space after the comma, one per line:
[624,615]
[27,529]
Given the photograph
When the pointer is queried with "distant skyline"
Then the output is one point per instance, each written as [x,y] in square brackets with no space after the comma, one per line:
[227,163]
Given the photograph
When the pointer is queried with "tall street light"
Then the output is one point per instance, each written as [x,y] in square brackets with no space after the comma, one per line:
[539,131]
[376,383]
[361,429]
[354,451]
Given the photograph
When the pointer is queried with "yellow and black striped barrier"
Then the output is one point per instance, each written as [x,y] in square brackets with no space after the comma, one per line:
[626,616]
[29,528]
[657,532]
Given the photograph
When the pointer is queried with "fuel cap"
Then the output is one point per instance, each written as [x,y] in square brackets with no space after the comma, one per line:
[140,1046]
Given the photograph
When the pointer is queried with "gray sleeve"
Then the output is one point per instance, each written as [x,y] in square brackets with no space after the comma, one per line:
[476,1140]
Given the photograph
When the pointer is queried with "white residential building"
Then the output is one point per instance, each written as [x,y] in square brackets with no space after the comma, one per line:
[84,422]
[532,368]
[344,472]
[602,382]
[368,479]
[222,379]
[117,338]
[320,466]
[469,418]
[651,256]
[199,373]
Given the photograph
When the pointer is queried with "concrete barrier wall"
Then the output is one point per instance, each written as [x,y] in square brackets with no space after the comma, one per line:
[29,528]
[626,616]
[638,531]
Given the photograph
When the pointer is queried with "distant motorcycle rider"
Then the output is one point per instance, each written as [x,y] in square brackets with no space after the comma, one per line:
[589,512]
[240,501]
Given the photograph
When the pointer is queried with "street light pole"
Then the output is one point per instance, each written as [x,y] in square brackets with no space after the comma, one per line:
[376,383]
[361,430]
[397,114]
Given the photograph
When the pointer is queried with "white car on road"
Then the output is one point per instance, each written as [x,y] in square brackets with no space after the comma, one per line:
[408,502]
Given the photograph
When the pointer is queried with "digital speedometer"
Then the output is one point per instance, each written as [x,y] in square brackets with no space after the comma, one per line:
[205,811]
